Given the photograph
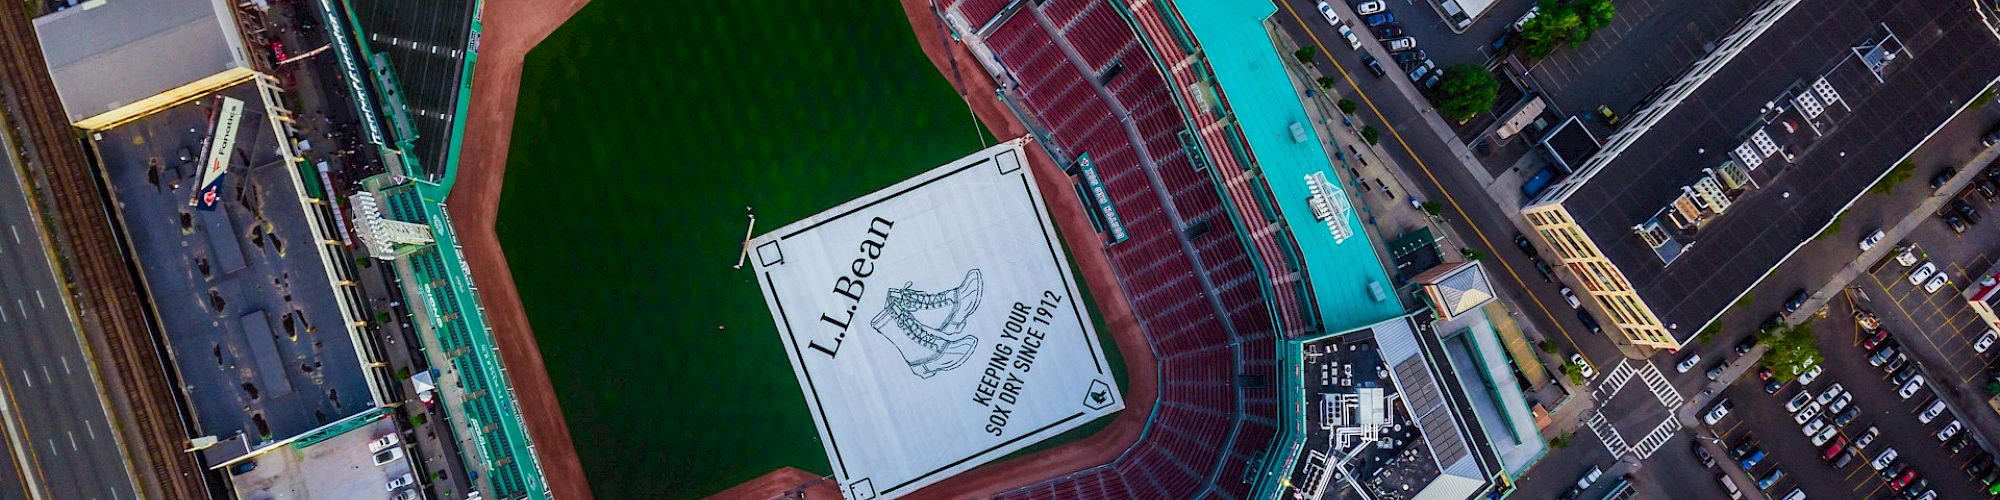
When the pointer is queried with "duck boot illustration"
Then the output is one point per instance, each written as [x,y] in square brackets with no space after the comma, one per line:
[931,348]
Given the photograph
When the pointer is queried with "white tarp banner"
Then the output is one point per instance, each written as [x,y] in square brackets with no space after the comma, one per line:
[221,147]
[934,325]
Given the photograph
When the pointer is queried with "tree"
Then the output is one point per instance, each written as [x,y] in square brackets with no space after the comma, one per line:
[1708,332]
[1306,53]
[1546,346]
[1471,254]
[1326,82]
[1593,15]
[1468,90]
[1347,107]
[1433,208]
[1791,351]
[1560,442]
[1574,371]
[1549,29]
[1993,388]
[1368,133]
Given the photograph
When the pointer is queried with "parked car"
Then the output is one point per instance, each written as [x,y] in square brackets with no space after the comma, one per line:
[1743,347]
[1985,341]
[1390,31]
[1986,188]
[1773,386]
[1752,459]
[1883,460]
[1881,355]
[1922,273]
[1904,375]
[1965,210]
[1871,240]
[1810,412]
[1379,19]
[1689,363]
[1729,485]
[1950,430]
[1814,426]
[1770,478]
[1375,68]
[1931,412]
[1903,481]
[1701,455]
[1371,7]
[1588,321]
[1910,388]
[1400,44]
[1832,393]
[1589,476]
[1772,323]
[1327,12]
[1943,177]
[1569,296]
[1875,340]
[1833,449]
[1346,33]
[1992,137]
[1935,283]
[1867,437]
[1810,375]
[1826,434]
[1715,372]
[1956,444]
[1841,402]
[1799,402]
[1956,223]
[1423,69]
[1797,301]
[1846,416]
[1408,59]
[1588,372]
[1743,448]
[1896,363]
[1721,409]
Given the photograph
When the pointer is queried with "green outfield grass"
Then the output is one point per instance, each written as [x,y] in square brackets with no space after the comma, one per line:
[644,129]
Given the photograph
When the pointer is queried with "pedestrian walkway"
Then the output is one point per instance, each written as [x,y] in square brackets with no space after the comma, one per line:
[1607,433]
[1661,387]
[1614,380]
[1658,437]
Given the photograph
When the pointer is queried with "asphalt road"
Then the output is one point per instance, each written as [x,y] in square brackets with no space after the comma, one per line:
[48,382]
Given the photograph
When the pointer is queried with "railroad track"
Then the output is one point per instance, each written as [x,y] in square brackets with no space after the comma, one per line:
[107,295]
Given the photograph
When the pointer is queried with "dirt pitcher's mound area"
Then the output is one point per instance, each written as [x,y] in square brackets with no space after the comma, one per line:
[511,28]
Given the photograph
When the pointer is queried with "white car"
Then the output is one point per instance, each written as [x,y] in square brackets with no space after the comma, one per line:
[399,482]
[1327,11]
[1872,240]
[1935,283]
[1950,430]
[1588,372]
[1882,461]
[1688,364]
[1910,388]
[1825,435]
[1353,42]
[1831,393]
[1721,410]
[1811,411]
[1798,402]
[384,443]
[1400,44]
[1810,375]
[1932,412]
[1922,273]
[1840,404]
[1373,7]
[388,455]
[1814,426]
[1985,341]
[1570,297]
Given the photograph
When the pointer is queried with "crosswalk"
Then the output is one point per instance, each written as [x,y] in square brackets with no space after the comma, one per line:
[1660,386]
[1606,433]
[1658,437]
[1614,380]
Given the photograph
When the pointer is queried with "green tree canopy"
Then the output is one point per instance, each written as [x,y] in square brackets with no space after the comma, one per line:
[1565,22]
[1791,351]
[1468,90]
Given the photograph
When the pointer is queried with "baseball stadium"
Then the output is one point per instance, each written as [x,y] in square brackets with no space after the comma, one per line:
[1264,349]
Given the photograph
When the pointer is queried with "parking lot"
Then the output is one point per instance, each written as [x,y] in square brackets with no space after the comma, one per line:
[1764,421]
[1938,327]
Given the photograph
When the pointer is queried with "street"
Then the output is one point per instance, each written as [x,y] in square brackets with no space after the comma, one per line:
[51,389]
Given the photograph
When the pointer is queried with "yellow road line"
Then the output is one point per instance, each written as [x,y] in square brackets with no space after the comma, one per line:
[1449,200]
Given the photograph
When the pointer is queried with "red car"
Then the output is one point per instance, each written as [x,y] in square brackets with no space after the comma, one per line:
[1764,373]
[1903,481]
[1875,340]
[1833,449]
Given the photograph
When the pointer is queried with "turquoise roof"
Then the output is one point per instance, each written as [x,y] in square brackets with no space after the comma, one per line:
[1249,68]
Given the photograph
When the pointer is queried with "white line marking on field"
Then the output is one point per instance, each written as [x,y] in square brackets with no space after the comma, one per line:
[52,447]
[17,233]
[21,307]
[3,315]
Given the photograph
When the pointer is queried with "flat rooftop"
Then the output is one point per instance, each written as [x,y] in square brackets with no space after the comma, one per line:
[1378,413]
[1350,287]
[1823,163]
[241,292]
[109,54]
[338,465]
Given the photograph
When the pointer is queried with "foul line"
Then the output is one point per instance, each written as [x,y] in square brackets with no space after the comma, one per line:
[1440,186]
